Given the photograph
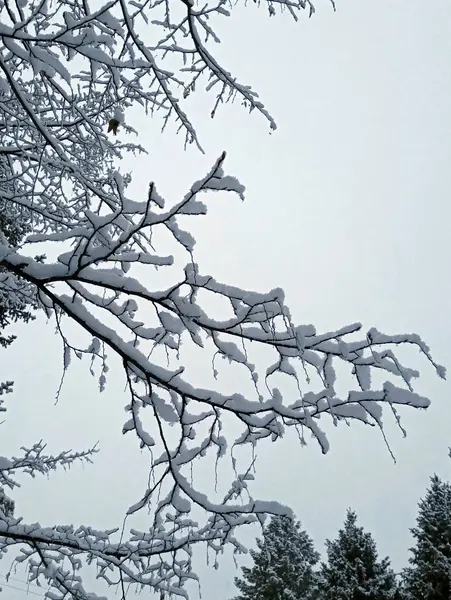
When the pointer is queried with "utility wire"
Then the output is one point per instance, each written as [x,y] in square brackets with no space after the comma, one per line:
[13,587]
[7,578]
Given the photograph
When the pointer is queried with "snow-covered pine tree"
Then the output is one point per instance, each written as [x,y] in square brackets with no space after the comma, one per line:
[13,228]
[353,571]
[6,504]
[15,298]
[429,575]
[283,565]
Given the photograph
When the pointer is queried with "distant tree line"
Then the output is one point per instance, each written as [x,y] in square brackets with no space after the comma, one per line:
[286,565]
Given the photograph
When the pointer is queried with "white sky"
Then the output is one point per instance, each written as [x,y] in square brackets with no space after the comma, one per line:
[347,209]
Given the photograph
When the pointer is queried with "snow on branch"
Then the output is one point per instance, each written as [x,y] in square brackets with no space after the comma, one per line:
[103,284]
[69,72]
[34,461]
[66,68]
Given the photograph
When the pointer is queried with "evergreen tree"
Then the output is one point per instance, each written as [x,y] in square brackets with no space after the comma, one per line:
[13,306]
[429,576]
[353,571]
[283,565]
[6,504]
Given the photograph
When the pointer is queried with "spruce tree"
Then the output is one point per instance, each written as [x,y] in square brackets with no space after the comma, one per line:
[353,571]
[6,504]
[283,565]
[13,307]
[429,574]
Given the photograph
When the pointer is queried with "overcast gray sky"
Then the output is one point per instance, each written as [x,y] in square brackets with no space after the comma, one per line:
[347,209]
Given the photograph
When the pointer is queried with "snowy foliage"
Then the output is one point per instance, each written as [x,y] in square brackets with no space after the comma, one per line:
[15,300]
[429,575]
[6,504]
[353,571]
[66,68]
[283,565]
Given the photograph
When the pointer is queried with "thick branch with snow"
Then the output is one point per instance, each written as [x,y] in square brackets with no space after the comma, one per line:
[180,422]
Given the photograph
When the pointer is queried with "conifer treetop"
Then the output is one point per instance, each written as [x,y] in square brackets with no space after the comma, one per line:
[353,570]
[428,576]
[283,564]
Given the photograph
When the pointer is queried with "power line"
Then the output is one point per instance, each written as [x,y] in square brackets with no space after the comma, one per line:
[24,581]
[7,578]
[13,587]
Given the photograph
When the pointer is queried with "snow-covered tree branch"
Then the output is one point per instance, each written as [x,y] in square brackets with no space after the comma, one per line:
[93,285]
[67,69]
